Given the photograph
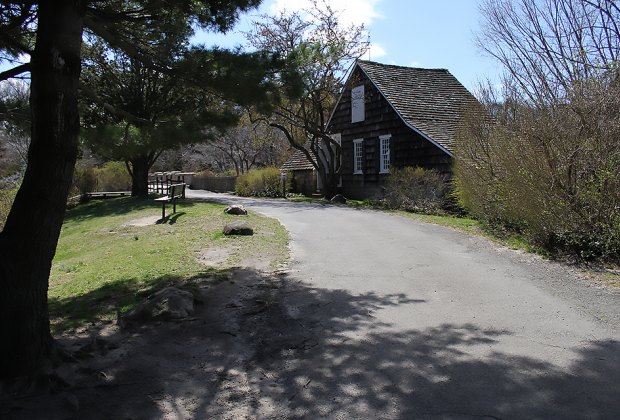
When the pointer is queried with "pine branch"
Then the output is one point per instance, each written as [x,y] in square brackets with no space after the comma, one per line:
[15,71]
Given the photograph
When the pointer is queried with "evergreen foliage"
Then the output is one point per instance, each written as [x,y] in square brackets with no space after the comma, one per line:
[52,34]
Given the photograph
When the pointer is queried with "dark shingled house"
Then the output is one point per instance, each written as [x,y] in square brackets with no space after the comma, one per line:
[392,116]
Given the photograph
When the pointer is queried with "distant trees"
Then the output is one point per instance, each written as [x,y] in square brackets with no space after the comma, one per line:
[15,117]
[322,50]
[549,162]
[245,146]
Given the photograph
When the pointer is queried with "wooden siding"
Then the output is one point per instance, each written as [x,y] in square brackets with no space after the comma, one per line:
[407,148]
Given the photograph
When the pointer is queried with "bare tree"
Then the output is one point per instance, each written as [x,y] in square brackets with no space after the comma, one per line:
[323,50]
[547,47]
[550,163]
[15,117]
[239,149]
[247,145]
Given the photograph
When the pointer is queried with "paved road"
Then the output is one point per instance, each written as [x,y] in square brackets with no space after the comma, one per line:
[403,319]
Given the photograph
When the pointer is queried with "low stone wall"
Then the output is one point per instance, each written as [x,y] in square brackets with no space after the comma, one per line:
[214,183]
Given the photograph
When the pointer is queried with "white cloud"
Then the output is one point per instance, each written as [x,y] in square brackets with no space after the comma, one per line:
[357,12]
[376,51]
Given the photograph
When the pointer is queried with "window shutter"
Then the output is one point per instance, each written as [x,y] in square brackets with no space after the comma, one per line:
[358,110]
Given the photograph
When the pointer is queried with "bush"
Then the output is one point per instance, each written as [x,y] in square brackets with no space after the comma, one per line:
[112,176]
[84,180]
[417,190]
[547,172]
[263,182]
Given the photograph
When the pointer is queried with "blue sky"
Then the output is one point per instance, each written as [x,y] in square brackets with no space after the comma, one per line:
[418,33]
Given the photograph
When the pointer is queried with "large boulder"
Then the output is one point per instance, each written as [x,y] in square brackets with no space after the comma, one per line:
[166,304]
[238,228]
[236,209]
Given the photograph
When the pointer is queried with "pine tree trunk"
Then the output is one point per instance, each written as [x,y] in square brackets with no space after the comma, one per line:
[28,241]
[140,176]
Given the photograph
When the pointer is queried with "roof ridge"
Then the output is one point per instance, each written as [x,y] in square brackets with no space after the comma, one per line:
[376,63]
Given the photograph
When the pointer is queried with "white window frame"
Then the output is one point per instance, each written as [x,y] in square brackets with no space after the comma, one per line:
[384,154]
[358,108]
[358,156]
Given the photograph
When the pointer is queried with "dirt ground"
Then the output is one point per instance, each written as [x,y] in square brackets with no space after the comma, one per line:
[209,365]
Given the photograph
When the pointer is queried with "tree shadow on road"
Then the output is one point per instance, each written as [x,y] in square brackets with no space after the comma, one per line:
[261,346]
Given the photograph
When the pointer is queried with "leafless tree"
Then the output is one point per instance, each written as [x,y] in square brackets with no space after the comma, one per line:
[15,117]
[547,47]
[550,163]
[323,50]
[240,148]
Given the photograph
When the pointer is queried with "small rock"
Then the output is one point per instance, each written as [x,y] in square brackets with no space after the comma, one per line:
[236,209]
[238,228]
[168,303]
[338,198]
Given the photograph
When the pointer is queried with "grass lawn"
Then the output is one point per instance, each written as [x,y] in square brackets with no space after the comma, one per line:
[474,227]
[111,254]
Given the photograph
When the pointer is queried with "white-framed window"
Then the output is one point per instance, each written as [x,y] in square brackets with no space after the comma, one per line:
[358,156]
[358,111]
[384,156]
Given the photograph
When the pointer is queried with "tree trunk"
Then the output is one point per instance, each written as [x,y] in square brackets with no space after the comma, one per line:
[329,186]
[28,241]
[140,176]
[328,179]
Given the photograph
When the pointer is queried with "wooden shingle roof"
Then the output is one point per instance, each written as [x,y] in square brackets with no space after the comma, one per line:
[428,100]
[297,162]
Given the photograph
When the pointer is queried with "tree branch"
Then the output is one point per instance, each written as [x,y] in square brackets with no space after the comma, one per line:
[15,71]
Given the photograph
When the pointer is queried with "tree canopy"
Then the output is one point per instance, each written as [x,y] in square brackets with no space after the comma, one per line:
[47,37]
[134,111]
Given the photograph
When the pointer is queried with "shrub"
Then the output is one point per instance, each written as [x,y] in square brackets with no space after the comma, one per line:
[548,172]
[84,180]
[417,190]
[264,182]
[112,176]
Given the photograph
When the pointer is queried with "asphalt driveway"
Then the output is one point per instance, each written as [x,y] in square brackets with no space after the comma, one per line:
[400,319]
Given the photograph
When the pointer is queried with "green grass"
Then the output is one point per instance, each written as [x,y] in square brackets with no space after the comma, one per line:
[365,204]
[104,264]
[475,227]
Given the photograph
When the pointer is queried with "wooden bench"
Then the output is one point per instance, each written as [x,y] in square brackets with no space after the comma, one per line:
[175,192]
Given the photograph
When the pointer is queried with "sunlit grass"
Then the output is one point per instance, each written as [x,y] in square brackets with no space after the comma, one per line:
[105,262]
